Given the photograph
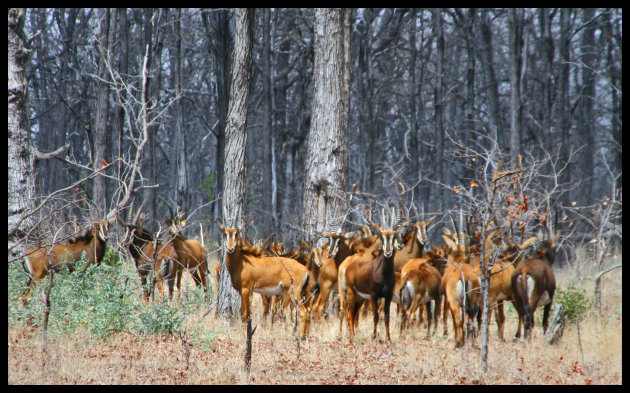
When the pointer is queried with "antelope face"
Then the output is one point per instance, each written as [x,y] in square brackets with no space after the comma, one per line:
[388,243]
[102,230]
[334,244]
[230,239]
[421,233]
[317,256]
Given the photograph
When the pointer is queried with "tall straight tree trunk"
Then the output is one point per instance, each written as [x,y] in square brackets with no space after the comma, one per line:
[326,171]
[416,159]
[588,131]
[180,173]
[99,194]
[486,57]
[268,221]
[516,105]
[20,155]
[562,113]
[154,37]
[439,105]
[217,25]
[118,119]
[236,140]
[547,62]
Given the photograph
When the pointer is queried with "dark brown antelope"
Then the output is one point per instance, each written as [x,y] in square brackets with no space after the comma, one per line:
[371,278]
[533,285]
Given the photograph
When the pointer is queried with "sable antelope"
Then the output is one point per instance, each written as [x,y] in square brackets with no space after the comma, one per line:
[371,278]
[329,257]
[460,286]
[413,244]
[141,245]
[40,260]
[500,281]
[267,275]
[420,284]
[533,284]
[190,253]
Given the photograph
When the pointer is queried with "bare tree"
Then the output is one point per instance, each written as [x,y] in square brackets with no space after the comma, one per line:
[236,139]
[21,156]
[326,176]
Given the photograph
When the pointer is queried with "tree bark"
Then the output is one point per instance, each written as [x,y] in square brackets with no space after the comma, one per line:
[180,173]
[99,195]
[516,105]
[486,57]
[21,176]
[217,24]
[438,30]
[236,140]
[326,171]
[269,222]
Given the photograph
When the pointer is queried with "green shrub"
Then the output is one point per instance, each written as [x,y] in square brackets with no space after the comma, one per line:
[576,304]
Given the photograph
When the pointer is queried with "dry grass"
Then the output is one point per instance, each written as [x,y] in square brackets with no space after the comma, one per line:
[324,359]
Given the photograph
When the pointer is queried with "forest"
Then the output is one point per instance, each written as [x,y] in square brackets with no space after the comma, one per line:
[297,125]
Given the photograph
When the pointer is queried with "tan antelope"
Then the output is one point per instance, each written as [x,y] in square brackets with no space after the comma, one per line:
[500,282]
[460,286]
[420,284]
[414,244]
[40,260]
[267,275]
[191,255]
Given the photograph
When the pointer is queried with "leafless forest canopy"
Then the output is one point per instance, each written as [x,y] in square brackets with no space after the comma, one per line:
[429,90]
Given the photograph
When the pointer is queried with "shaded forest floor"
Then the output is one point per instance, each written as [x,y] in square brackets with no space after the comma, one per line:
[218,356]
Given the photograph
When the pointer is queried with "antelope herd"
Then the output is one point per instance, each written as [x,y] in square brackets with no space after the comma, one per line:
[391,260]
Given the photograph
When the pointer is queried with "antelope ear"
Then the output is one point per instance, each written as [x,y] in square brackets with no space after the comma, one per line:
[220,226]
[527,242]
[349,235]
[449,242]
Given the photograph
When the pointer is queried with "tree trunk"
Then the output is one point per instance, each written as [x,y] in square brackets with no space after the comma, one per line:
[326,171]
[21,175]
[486,57]
[587,128]
[439,107]
[180,173]
[516,105]
[217,24]
[99,194]
[236,140]
[154,37]
[269,222]
[118,118]
[547,61]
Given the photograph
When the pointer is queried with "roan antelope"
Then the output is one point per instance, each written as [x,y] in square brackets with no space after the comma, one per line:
[40,260]
[267,275]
